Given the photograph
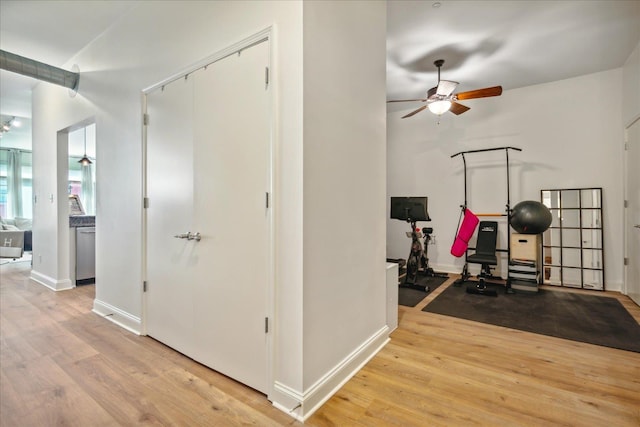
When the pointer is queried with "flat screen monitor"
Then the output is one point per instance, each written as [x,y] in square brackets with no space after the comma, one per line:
[409,208]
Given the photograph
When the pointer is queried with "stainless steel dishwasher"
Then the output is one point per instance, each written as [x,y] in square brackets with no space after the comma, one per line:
[85,255]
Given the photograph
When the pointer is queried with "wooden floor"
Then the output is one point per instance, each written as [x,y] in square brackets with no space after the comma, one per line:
[60,364]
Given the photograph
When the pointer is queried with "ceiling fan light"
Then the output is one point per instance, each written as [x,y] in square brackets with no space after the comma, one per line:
[439,107]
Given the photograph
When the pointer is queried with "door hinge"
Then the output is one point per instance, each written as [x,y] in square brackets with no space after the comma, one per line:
[144,286]
[266,76]
[145,119]
[626,203]
[145,202]
[626,261]
[266,325]
[266,195]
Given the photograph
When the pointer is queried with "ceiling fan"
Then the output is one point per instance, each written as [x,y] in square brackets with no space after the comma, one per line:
[441,98]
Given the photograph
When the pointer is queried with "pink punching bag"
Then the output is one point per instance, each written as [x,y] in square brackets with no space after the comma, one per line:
[467,228]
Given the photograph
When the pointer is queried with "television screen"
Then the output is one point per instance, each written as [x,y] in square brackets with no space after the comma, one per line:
[409,208]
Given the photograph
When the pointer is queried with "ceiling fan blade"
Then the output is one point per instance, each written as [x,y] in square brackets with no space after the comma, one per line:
[415,112]
[458,109]
[407,100]
[480,93]
[446,87]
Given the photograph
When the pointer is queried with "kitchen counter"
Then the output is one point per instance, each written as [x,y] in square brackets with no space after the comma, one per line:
[82,221]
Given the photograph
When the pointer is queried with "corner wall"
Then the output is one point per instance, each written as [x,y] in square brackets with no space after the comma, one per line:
[344,191]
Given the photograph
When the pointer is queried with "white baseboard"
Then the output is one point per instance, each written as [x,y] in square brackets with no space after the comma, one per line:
[457,269]
[117,316]
[50,282]
[302,405]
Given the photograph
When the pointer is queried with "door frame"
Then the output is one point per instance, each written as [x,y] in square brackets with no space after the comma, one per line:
[264,36]
[625,216]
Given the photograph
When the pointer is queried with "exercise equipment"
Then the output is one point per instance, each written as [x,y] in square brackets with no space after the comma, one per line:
[485,255]
[465,231]
[416,261]
[428,271]
[482,253]
[412,210]
[530,217]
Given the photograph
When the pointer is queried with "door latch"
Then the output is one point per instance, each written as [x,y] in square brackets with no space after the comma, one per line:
[189,236]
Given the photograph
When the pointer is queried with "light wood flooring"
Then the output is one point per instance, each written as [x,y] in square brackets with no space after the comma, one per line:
[62,365]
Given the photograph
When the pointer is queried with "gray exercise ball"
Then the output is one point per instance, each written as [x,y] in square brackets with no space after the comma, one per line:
[530,217]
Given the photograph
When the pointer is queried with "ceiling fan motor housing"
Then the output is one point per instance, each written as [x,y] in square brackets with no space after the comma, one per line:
[432,96]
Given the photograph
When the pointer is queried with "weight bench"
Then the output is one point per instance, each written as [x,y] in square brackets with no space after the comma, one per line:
[486,256]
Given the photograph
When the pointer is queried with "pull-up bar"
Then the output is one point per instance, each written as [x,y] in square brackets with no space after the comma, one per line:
[486,149]
[464,161]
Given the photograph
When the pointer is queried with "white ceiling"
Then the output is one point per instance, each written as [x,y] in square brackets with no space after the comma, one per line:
[484,43]
[508,43]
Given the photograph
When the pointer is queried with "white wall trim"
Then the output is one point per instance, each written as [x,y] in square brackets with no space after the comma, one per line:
[322,390]
[117,316]
[50,282]
[287,400]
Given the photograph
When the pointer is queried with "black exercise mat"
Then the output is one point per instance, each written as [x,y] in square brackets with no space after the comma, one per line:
[411,297]
[574,316]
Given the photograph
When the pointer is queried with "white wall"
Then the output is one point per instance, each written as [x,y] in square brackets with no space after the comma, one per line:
[571,136]
[631,88]
[344,180]
[329,271]
[50,148]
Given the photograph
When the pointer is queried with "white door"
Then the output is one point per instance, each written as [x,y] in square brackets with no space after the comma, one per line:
[632,226]
[170,272]
[207,295]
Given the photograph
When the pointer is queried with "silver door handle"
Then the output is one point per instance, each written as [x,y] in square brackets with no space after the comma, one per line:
[637,226]
[189,236]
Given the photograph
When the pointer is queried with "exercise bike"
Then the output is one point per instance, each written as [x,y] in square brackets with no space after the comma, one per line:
[416,261]
[428,271]
[412,210]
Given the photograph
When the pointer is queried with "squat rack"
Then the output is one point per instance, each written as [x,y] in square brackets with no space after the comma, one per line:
[465,273]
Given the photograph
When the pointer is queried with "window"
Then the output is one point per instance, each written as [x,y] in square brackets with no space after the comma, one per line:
[24,206]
